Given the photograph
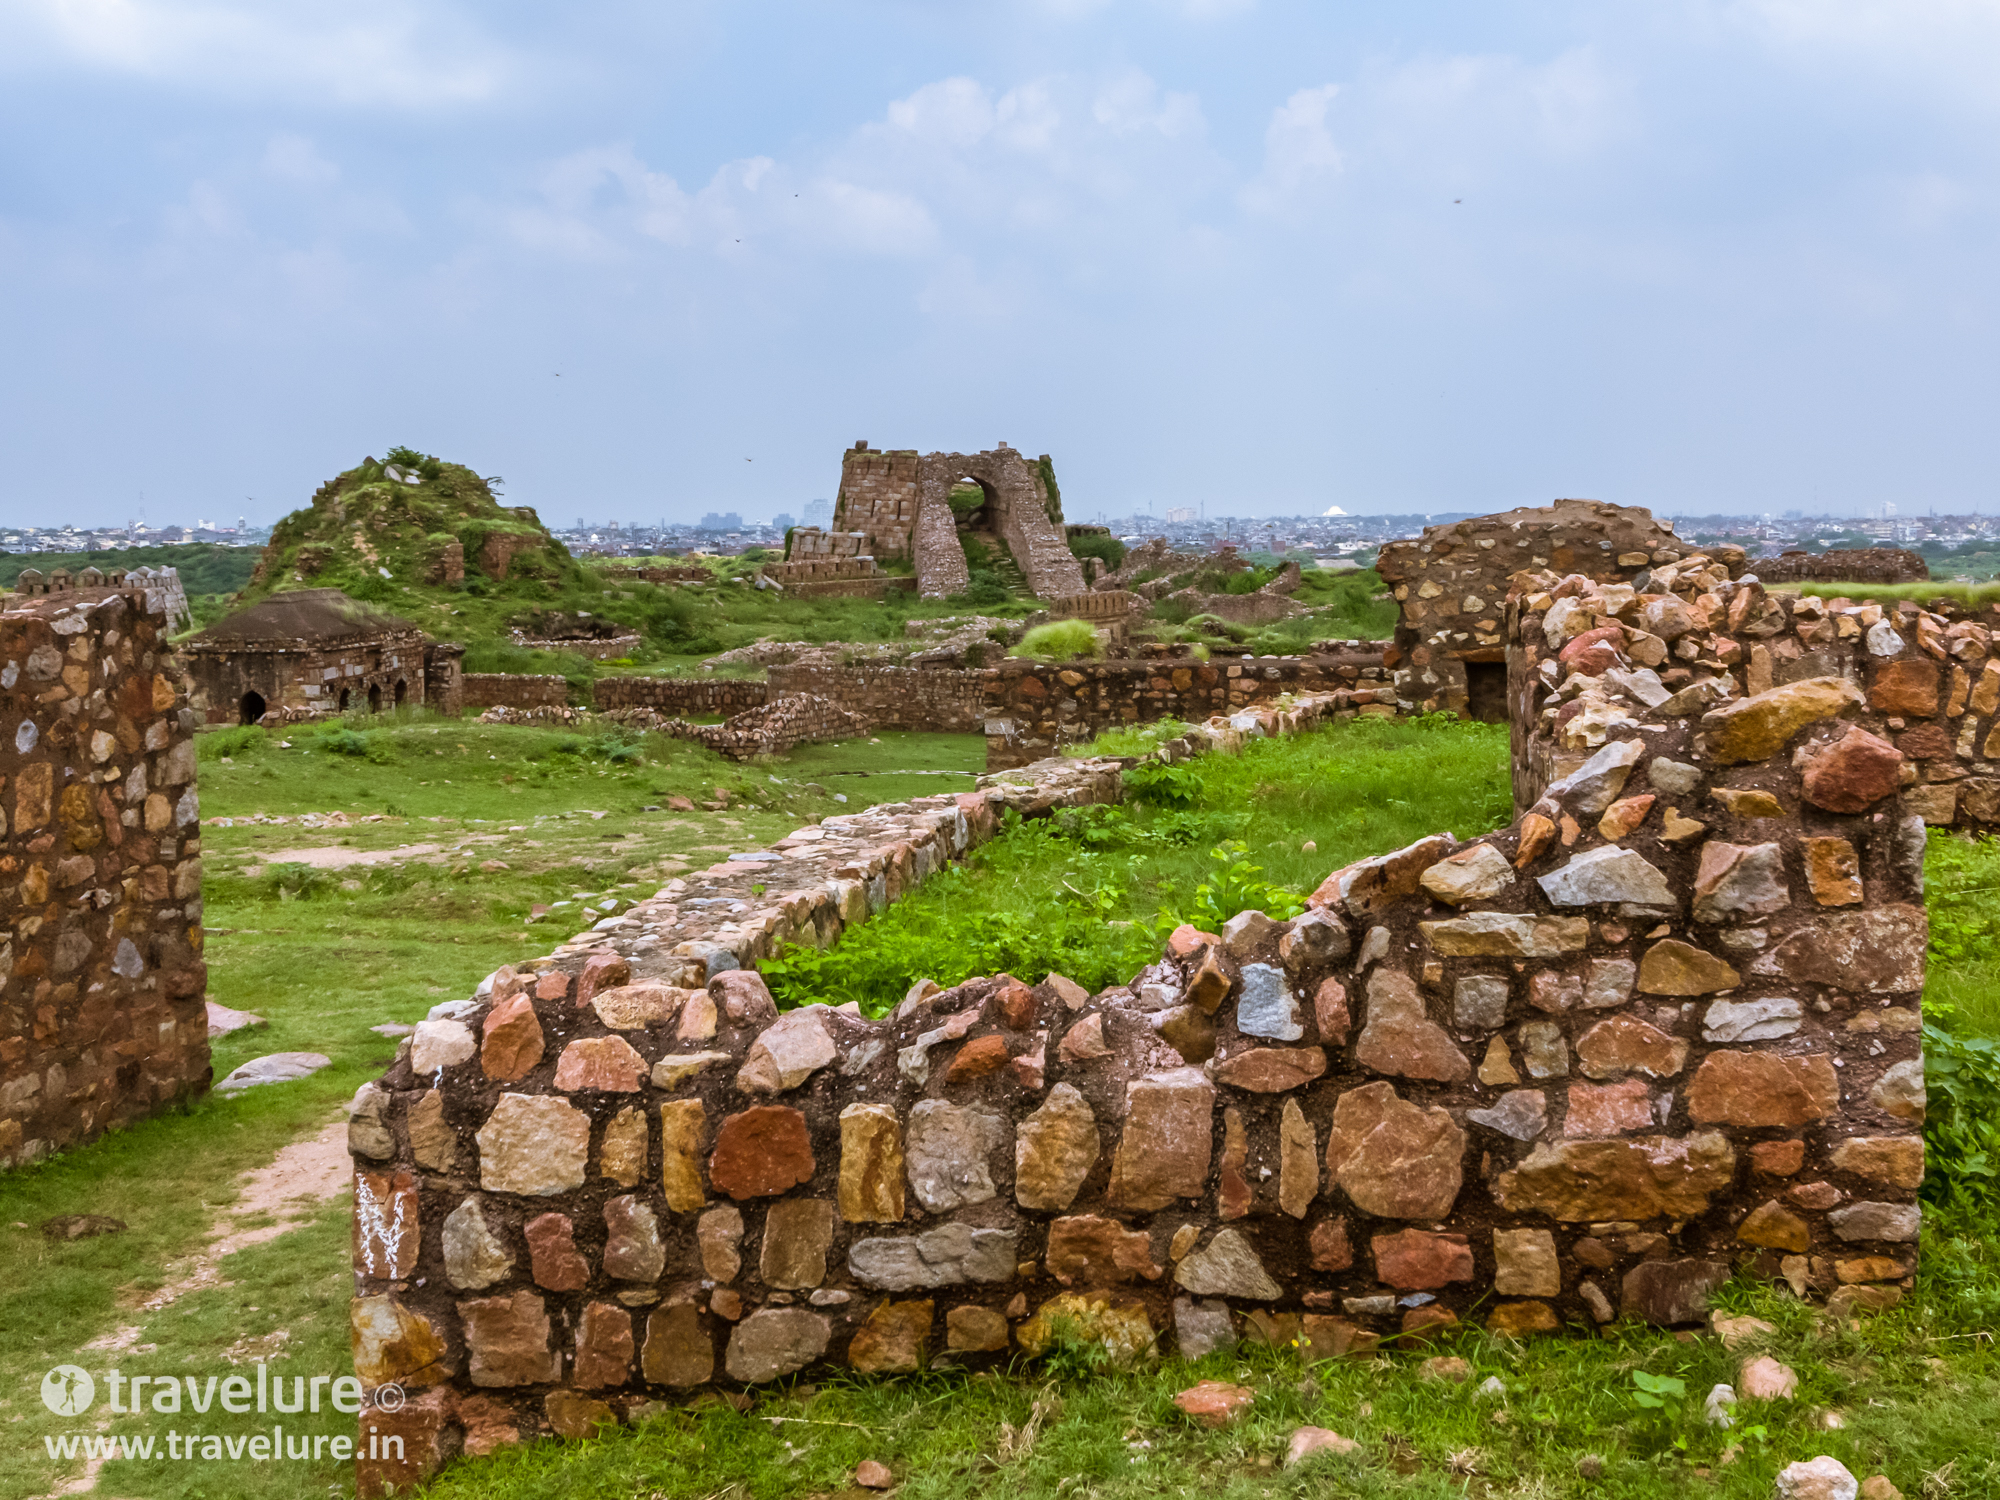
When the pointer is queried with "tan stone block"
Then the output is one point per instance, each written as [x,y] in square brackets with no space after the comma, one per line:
[683,1135]
[798,1232]
[1763,1088]
[1526,1263]
[1895,1160]
[1775,1227]
[1164,1151]
[871,1164]
[622,1157]
[1833,871]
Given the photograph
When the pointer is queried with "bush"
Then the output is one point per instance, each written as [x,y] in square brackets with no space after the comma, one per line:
[1962,1120]
[1109,548]
[1059,640]
[228,742]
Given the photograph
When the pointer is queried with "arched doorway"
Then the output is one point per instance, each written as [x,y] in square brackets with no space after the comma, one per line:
[402,691]
[375,697]
[251,709]
[344,696]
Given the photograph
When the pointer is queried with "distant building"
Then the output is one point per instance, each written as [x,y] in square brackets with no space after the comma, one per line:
[315,652]
[818,513]
[783,521]
[727,520]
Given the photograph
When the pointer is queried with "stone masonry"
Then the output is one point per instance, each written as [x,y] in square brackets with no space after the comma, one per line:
[902,503]
[101,977]
[1451,587]
[1661,1027]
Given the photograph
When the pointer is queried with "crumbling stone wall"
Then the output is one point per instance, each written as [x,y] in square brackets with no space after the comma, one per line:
[101,978]
[1844,565]
[160,587]
[901,503]
[1663,1025]
[680,695]
[1034,709]
[1451,586]
[941,700]
[512,690]
[782,724]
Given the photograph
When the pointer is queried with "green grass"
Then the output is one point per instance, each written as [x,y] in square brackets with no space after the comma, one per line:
[1084,892]
[1059,640]
[950,1436]
[1962,891]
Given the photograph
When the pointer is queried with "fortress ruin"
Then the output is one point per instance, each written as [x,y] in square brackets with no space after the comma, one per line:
[1662,1026]
[897,504]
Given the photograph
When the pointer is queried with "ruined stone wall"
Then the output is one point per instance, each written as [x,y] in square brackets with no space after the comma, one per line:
[778,726]
[1663,1026]
[816,566]
[941,700]
[101,978]
[512,690]
[1034,709]
[1451,584]
[877,499]
[1844,565]
[680,695]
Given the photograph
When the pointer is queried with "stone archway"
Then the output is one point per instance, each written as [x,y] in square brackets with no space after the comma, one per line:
[251,709]
[374,697]
[402,691]
[1019,508]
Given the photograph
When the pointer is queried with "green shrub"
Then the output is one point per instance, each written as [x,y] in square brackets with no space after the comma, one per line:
[1059,640]
[231,742]
[1108,548]
[1961,1119]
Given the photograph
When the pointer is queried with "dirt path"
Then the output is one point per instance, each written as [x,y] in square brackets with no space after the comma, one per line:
[289,1188]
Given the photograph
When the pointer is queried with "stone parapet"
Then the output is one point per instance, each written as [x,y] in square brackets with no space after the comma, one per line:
[101,976]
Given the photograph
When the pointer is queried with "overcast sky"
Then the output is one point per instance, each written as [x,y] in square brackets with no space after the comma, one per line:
[650,259]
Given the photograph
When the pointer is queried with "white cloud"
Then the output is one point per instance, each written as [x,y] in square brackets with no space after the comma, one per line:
[373,52]
[1299,151]
[293,158]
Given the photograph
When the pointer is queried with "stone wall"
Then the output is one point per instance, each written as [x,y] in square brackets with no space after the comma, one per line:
[877,499]
[1034,709]
[101,977]
[1662,1027]
[813,555]
[512,690]
[778,726]
[680,695]
[1844,565]
[941,700]
[595,647]
[1451,586]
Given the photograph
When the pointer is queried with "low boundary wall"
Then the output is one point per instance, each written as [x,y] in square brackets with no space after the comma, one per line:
[513,690]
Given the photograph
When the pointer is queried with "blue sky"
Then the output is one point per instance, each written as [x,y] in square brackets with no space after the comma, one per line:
[647,260]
